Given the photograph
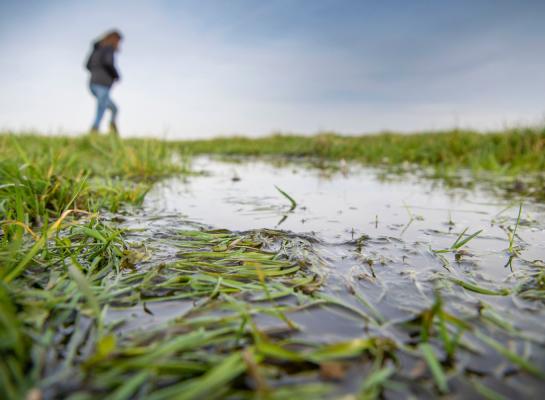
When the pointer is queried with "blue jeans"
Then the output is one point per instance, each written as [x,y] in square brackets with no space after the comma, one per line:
[102,94]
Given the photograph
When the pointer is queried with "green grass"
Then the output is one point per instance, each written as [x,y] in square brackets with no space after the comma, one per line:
[64,267]
[506,152]
[51,191]
[510,152]
[40,177]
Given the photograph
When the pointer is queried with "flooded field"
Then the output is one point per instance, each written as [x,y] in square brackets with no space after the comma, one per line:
[135,269]
[335,282]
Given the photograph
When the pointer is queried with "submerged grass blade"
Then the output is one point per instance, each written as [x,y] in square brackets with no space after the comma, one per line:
[434,366]
[512,356]
[127,390]
[373,381]
[486,392]
[479,289]
[215,379]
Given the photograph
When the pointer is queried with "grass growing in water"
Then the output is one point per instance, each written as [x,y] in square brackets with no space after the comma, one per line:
[460,241]
[287,196]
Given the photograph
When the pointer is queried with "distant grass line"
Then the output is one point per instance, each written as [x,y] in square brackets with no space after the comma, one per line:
[508,152]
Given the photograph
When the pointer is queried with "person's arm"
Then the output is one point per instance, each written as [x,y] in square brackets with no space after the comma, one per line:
[88,63]
[108,63]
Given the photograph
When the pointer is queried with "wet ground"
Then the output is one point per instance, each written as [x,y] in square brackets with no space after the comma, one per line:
[385,245]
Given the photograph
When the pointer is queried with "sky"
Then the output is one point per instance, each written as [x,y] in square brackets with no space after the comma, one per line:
[203,68]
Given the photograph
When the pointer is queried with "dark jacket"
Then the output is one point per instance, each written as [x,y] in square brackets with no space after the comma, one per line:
[101,65]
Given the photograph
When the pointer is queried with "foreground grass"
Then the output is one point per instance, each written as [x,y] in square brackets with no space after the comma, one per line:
[51,190]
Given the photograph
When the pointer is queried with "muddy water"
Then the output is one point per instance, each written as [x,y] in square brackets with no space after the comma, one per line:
[374,235]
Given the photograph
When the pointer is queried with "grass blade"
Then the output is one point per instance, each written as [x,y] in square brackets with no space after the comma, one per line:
[287,196]
[435,367]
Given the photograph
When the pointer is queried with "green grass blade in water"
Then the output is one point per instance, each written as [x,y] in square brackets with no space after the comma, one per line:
[287,196]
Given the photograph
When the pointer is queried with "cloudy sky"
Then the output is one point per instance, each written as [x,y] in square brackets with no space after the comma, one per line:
[202,68]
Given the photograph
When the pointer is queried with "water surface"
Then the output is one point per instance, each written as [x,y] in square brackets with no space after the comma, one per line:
[373,235]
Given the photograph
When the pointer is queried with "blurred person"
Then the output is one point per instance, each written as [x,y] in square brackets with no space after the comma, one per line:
[101,65]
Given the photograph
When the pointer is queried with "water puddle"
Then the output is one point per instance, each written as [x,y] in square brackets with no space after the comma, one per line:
[338,207]
[385,245]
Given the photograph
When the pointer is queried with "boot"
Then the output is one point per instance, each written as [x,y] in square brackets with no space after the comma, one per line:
[113,129]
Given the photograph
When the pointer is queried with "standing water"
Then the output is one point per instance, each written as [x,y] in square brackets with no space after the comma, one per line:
[448,281]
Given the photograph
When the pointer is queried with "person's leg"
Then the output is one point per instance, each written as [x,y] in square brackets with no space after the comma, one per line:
[101,94]
[113,108]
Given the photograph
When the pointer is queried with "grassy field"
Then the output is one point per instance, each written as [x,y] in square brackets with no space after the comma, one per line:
[65,262]
[510,152]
